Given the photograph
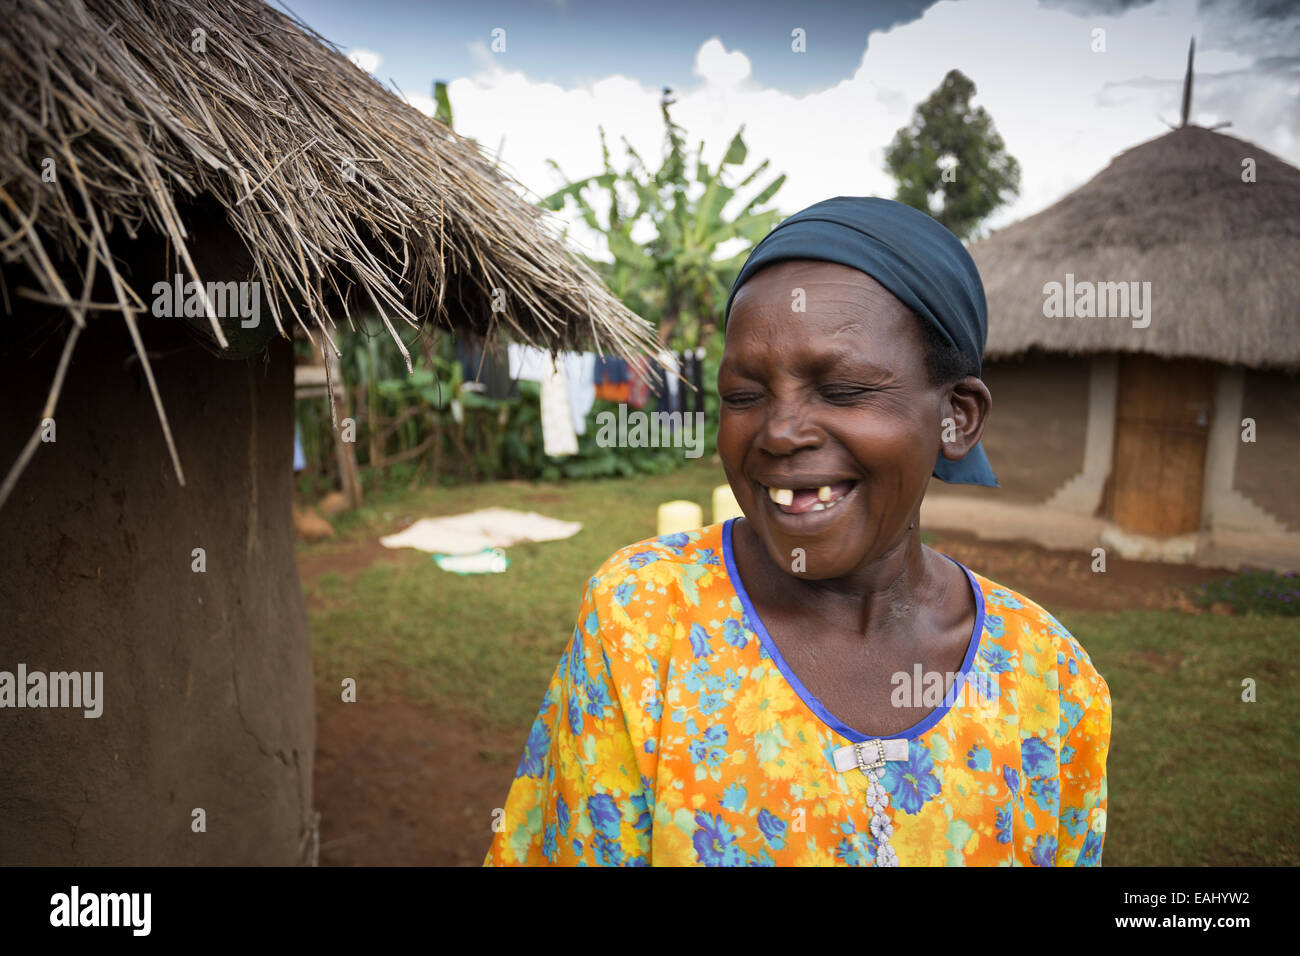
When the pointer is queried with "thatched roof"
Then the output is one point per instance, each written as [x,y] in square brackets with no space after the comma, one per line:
[342,194]
[1222,256]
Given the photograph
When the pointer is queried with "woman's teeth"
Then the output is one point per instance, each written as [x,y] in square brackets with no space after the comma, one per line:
[785,496]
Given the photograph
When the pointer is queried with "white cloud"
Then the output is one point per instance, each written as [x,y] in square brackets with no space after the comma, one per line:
[424,104]
[717,67]
[1063,110]
[368,60]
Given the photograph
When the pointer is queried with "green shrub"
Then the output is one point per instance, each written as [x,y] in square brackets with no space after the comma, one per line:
[1258,592]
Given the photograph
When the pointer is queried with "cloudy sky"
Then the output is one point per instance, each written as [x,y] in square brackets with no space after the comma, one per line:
[825,116]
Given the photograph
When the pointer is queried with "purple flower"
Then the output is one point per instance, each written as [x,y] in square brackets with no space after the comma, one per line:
[700,641]
[1091,855]
[715,844]
[710,750]
[642,558]
[1037,759]
[1044,851]
[604,813]
[539,739]
[562,814]
[1004,823]
[912,782]
[772,828]
[608,852]
[734,634]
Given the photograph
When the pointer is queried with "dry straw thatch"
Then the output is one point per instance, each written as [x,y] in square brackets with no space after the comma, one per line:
[266,121]
[1221,256]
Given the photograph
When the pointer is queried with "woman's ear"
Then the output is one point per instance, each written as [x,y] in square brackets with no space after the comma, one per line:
[967,404]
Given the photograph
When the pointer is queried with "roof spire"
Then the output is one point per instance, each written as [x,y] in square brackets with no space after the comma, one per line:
[1187,83]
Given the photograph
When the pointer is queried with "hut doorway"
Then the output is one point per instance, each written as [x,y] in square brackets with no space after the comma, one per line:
[1162,427]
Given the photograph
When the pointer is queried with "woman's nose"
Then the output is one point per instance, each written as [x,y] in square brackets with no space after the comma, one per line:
[788,428]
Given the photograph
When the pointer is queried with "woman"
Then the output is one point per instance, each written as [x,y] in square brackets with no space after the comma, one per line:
[810,684]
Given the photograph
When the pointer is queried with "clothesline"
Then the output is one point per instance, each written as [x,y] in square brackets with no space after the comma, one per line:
[572,383]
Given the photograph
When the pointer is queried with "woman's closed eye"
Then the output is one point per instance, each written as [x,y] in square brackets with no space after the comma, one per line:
[846,394]
[837,394]
[741,399]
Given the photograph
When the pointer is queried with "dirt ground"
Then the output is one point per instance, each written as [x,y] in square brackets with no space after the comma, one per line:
[400,784]
[1060,580]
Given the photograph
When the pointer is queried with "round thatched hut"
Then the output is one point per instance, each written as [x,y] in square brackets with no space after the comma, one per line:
[1143,349]
[146,433]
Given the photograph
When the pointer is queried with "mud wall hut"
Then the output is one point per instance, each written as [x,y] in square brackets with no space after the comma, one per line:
[1144,343]
[146,424]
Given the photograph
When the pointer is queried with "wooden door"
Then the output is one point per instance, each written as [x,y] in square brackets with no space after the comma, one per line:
[1162,426]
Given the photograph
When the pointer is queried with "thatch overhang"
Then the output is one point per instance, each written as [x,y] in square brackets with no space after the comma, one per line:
[1222,256]
[168,120]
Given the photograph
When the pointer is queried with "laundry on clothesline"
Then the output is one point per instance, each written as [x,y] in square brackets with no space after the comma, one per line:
[530,364]
[491,369]
[559,437]
[651,383]
[611,379]
[640,379]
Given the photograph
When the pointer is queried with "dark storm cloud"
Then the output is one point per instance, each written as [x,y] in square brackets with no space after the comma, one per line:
[1085,8]
[1254,98]
[1245,9]
[1255,9]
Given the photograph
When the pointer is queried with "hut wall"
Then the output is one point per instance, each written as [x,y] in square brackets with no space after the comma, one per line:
[1037,428]
[207,683]
[1268,469]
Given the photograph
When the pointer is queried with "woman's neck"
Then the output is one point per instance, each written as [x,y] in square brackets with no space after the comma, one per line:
[889,594]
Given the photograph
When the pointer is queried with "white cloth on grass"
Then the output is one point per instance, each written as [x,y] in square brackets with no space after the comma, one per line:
[473,531]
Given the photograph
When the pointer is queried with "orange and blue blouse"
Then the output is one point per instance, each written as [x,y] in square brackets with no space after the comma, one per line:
[673,733]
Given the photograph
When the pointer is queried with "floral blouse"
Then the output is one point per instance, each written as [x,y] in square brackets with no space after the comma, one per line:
[673,733]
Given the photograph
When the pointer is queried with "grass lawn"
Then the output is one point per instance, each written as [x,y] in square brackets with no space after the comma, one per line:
[1196,776]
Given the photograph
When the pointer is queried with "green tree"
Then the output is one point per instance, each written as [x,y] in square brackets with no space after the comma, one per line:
[675,279]
[950,161]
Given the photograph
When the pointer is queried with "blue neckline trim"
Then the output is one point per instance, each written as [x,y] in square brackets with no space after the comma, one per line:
[815,705]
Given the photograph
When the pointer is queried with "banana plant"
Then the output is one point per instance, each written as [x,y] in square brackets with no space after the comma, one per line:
[676,279]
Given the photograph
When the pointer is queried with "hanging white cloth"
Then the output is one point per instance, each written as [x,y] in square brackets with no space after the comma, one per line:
[527,364]
[580,377]
[531,364]
[669,362]
[558,435]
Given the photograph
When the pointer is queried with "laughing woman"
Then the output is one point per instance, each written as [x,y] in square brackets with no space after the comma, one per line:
[810,684]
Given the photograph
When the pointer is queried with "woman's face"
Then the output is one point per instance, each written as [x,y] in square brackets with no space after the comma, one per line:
[830,411]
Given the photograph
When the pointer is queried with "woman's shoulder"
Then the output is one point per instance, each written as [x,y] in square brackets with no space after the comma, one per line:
[1020,629]
[686,553]
[647,593]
